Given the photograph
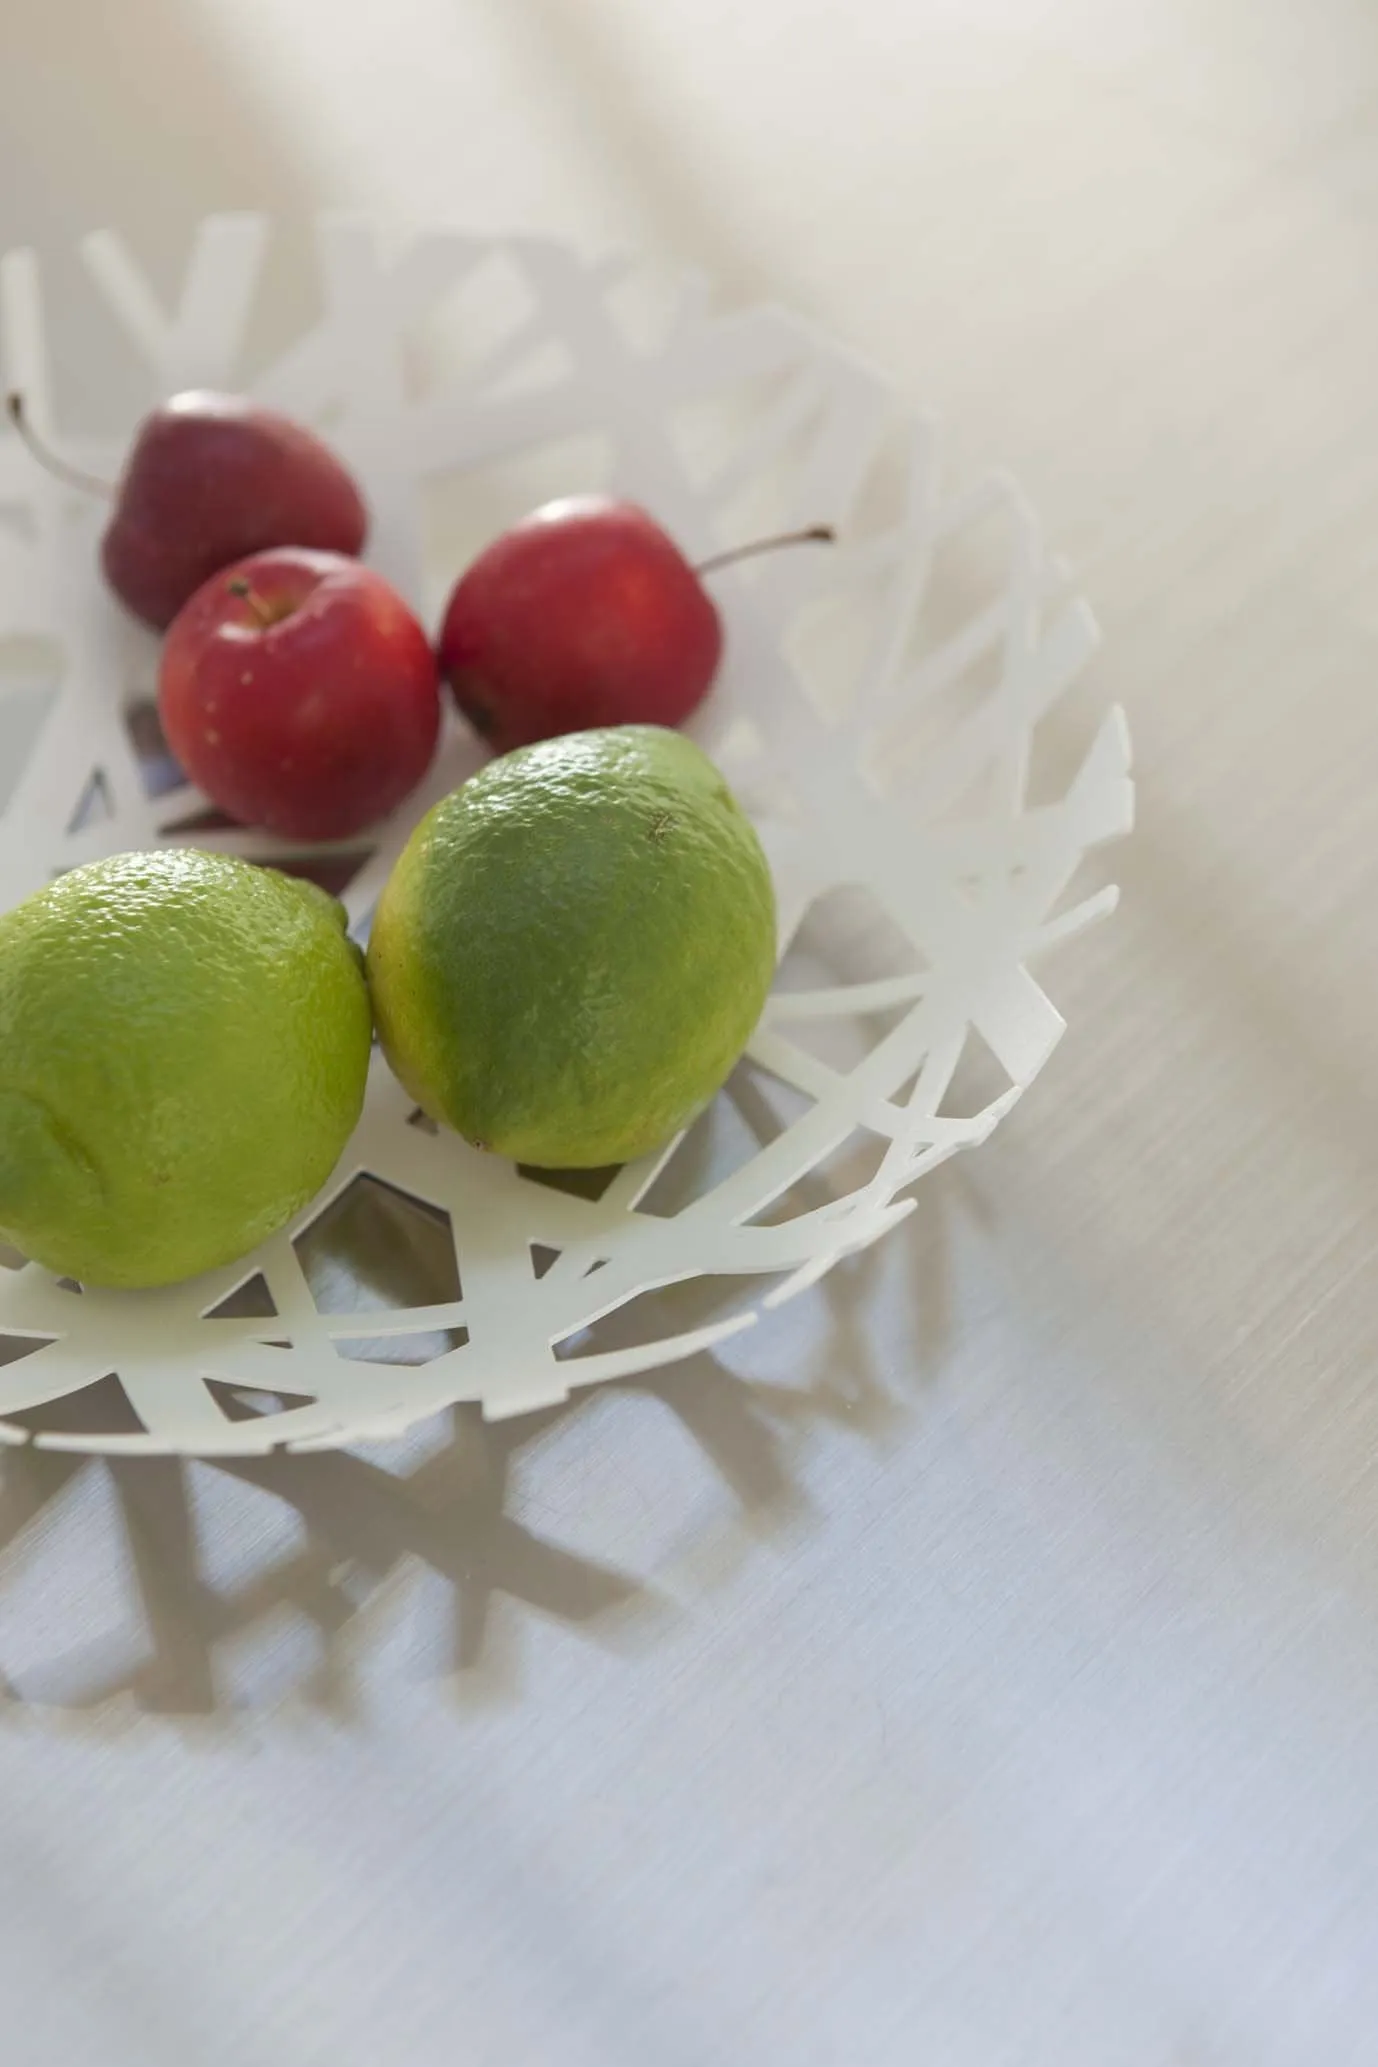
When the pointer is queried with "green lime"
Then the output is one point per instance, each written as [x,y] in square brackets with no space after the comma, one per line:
[574,948]
[184,1042]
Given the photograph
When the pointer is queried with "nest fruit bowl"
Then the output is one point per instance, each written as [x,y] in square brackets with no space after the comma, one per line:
[902,714]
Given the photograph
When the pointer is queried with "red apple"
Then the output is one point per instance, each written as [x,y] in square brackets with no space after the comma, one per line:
[300,693]
[584,614]
[211,478]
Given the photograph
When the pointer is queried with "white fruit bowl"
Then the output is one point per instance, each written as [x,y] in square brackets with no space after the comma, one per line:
[894,711]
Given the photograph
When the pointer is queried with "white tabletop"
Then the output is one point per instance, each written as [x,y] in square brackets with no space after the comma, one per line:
[980,1666]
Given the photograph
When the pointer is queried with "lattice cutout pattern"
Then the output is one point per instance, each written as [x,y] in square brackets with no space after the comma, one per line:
[880,710]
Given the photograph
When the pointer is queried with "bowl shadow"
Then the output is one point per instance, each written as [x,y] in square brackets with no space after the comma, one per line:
[452,1506]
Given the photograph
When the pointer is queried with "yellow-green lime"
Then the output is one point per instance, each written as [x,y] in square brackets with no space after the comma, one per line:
[574,948]
[184,1043]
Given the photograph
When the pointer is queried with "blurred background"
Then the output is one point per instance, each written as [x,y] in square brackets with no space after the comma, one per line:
[1129,248]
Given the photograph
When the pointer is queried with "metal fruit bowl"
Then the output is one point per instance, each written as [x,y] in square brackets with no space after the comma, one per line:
[903,715]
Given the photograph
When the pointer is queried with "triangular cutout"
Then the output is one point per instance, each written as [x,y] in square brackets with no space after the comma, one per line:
[978,1080]
[767,1104]
[96,805]
[846,937]
[158,771]
[542,1257]
[423,1122]
[378,1247]
[905,1091]
[852,1164]
[577,1184]
[840,1041]
[875,1019]
[663,1311]
[412,1350]
[252,1402]
[14,1348]
[251,1301]
[753,1108]
[101,1408]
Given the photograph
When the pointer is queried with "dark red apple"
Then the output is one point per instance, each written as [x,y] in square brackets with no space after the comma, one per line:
[584,614]
[211,478]
[300,693]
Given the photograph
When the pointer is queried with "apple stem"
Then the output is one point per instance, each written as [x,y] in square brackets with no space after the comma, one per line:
[813,534]
[90,484]
[265,614]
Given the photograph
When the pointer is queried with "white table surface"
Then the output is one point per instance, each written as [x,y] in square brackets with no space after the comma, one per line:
[982,1666]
